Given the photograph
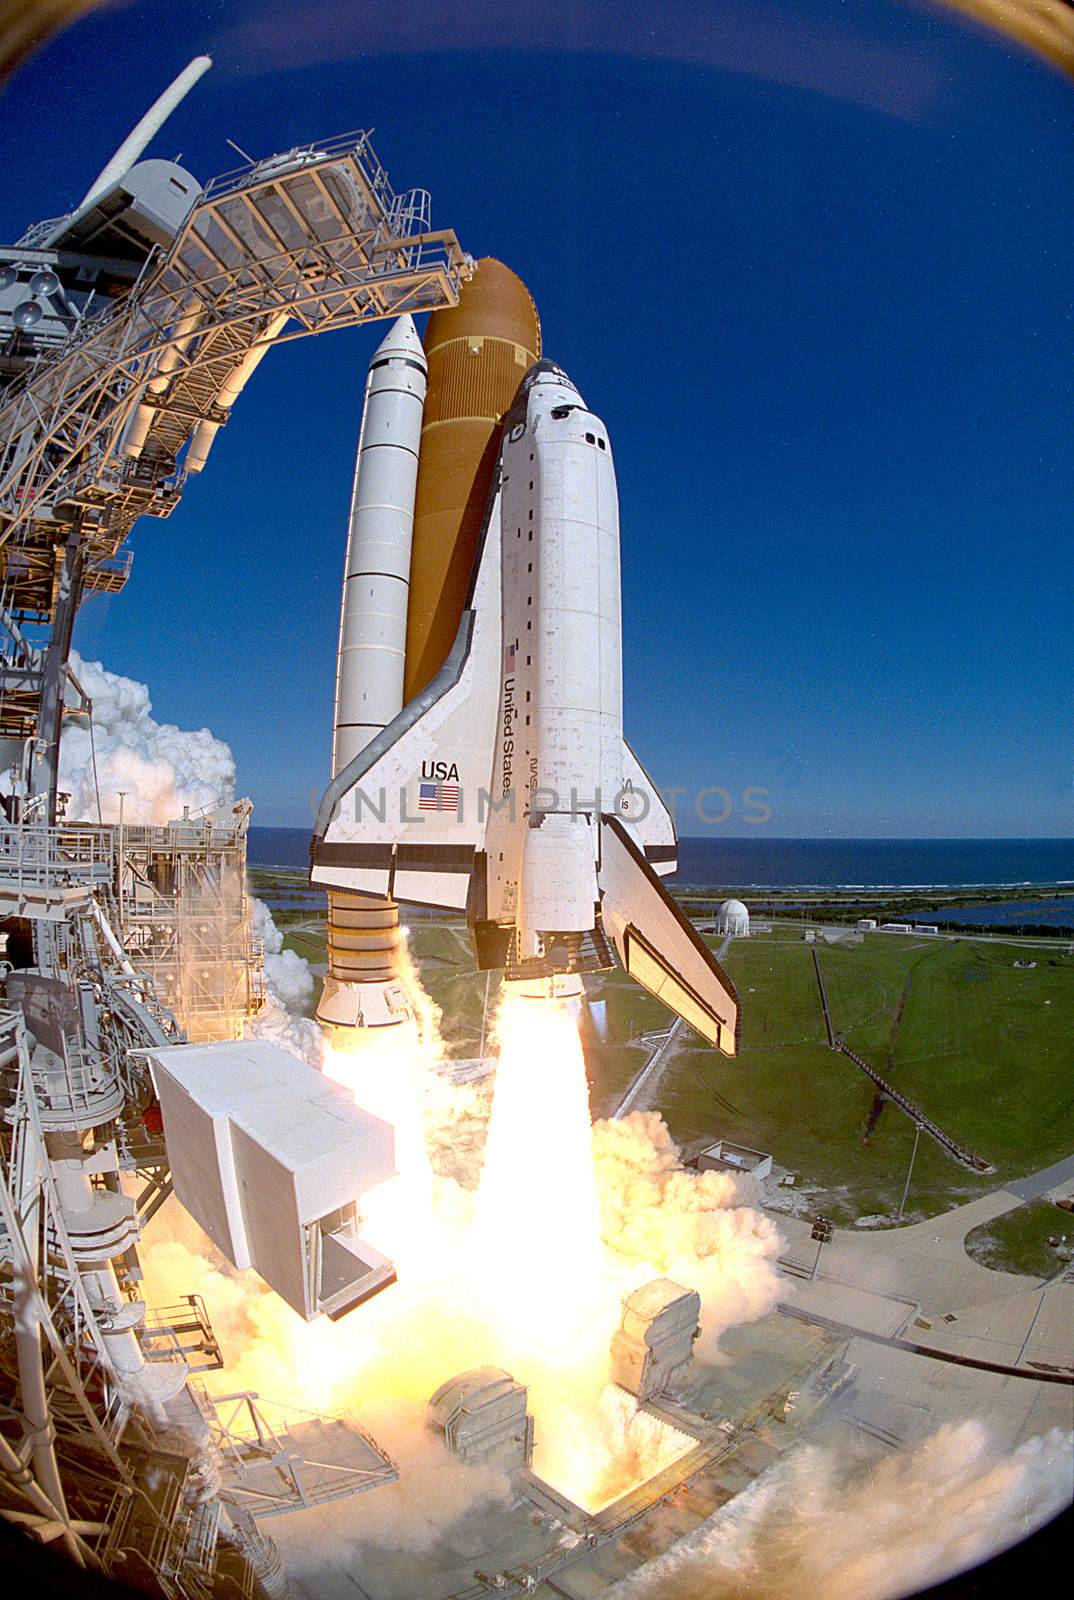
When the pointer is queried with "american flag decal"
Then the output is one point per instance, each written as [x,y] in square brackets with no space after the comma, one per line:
[438,797]
[509,659]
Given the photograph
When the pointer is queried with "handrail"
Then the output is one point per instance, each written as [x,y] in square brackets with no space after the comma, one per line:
[37,855]
[919,1118]
[284,162]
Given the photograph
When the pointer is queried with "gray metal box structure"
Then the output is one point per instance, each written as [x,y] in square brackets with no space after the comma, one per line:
[726,1157]
[272,1158]
[655,1341]
[483,1418]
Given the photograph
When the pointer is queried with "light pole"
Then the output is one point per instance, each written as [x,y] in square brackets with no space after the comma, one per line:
[821,1232]
[909,1172]
[1032,1325]
[122,793]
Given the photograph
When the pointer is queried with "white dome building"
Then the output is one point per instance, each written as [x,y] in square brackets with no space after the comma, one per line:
[733,918]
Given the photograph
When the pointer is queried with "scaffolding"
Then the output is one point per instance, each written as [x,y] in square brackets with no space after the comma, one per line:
[316,237]
[107,425]
[282,1459]
[184,918]
[120,938]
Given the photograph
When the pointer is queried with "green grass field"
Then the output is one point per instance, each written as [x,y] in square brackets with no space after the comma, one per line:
[1018,1240]
[311,947]
[986,1050]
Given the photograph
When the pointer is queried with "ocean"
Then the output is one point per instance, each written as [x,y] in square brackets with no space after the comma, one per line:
[758,863]
[873,863]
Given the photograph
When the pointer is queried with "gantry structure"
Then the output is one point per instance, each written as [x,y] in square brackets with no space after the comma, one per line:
[128,328]
[114,395]
[183,912]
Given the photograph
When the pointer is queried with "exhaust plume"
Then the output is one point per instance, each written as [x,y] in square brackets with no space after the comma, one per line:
[515,1240]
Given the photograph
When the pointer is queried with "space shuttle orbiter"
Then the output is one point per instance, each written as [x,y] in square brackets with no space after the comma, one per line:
[505,787]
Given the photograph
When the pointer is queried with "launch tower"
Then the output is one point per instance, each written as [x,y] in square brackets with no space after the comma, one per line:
[128,329]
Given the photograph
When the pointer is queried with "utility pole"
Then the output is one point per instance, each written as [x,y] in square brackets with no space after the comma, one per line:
[1032,1325]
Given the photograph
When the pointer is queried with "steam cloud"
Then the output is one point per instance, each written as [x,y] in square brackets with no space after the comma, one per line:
[697,1228]
[158,767]
[287,974]
[288,990]
[819,1527]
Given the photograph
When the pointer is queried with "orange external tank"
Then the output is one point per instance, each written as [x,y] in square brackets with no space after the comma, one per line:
[478,353]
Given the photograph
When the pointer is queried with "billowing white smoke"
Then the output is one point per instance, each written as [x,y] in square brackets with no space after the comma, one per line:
[158,767]
[289,989]
[287,974]
[300,1035]
[701,1229]
[822,1526]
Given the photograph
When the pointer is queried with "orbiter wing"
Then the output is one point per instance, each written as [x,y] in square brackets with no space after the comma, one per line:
[657,944]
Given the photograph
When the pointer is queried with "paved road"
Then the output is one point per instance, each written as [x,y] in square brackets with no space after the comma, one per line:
[650,1070]
[936,1353]
[1039,1183]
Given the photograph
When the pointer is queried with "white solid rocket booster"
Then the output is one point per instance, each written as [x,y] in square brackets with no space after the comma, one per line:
[362,988]
[376,583]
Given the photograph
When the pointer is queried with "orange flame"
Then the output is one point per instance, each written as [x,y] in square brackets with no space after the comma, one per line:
[514,1275]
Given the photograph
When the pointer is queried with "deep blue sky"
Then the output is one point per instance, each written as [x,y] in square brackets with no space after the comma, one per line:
[812,262]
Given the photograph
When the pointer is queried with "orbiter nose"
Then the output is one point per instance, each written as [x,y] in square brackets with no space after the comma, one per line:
[547,375]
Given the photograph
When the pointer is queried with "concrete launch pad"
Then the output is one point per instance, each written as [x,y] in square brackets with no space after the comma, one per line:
[797,1375]
[737,1419]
